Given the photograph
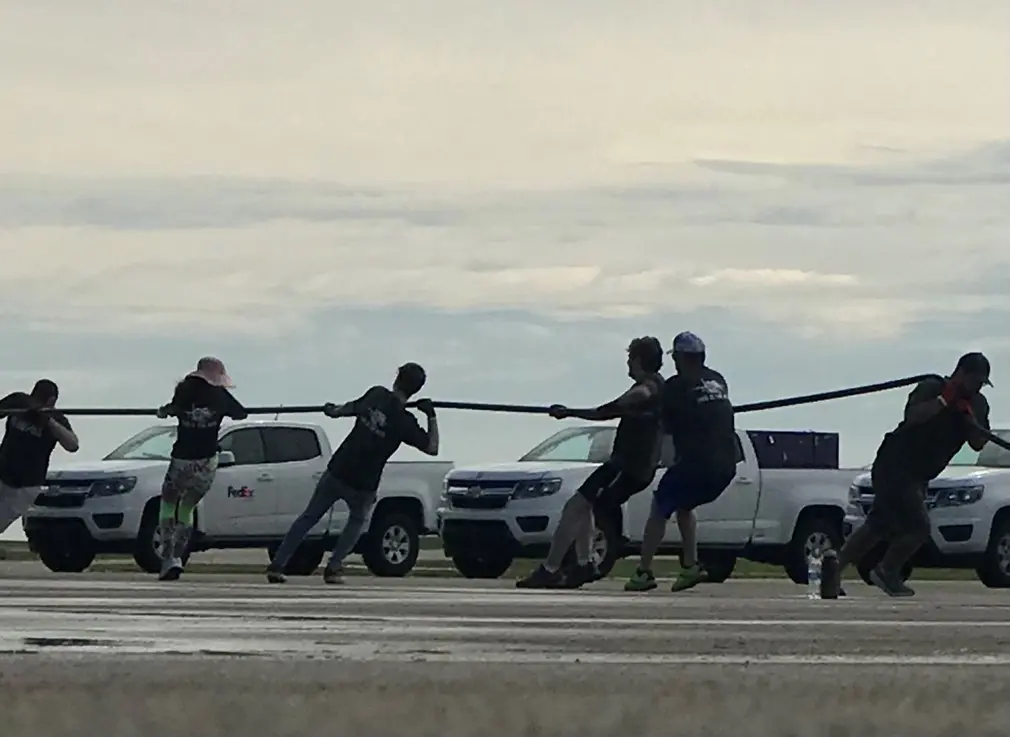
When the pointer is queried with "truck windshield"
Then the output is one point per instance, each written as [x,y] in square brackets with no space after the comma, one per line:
[152,444]
[991,456]
[575,445]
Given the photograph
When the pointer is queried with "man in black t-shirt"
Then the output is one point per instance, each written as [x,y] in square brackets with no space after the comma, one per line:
[28,443]
[630,469]
[698,416]
[382,423]
[941,415]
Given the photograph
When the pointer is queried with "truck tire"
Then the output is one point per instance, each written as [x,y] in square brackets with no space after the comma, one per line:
[391,545]
[147,547]
[718,566]
[871,560]
[66,555]
[814,532]
[994,571]
[607,544]
[305,560]
[487,567]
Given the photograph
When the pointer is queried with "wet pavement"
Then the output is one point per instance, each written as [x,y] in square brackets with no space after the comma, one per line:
[485,622]
[222,656]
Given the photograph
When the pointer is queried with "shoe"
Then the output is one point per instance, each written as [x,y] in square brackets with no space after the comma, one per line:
[541,578]
[333,576]
[889,583]
[641,581]
[276,577]
[689,578]
[171,570]
[579,575]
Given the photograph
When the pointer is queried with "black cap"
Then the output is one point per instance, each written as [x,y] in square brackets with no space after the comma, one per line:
[974,363]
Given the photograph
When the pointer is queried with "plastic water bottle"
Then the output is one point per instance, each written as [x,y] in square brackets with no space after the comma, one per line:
[814,563]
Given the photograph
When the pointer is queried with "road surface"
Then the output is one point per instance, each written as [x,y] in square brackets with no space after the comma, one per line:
[222,655]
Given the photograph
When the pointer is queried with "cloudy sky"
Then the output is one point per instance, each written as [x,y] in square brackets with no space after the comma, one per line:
[506,192]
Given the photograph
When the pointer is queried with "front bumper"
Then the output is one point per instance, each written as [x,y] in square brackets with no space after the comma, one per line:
[523,528]
[107,521]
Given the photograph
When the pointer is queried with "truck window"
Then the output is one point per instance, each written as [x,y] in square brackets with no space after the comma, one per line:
[574,445]
[290,444]
[246,444]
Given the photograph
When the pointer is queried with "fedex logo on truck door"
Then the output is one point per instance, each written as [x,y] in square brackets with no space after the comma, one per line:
[240,492]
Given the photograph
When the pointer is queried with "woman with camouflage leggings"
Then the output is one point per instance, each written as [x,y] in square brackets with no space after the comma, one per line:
[201,401]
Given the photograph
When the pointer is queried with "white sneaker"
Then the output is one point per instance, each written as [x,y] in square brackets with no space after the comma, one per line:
[171,570]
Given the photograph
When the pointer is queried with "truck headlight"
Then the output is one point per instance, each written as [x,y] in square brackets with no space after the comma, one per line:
[113,486]
[536,489]
[957,496]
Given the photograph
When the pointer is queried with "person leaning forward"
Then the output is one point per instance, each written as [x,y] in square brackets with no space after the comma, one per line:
[941,415]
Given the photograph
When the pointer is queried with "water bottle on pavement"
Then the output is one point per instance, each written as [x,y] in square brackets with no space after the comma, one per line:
[814,563]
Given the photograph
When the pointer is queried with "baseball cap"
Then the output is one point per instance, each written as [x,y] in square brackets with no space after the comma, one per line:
[974,363]
[687,342]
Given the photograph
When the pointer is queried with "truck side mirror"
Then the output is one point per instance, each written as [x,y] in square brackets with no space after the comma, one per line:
[225,458]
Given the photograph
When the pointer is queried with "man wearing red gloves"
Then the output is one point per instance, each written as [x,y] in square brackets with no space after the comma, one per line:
[940,417]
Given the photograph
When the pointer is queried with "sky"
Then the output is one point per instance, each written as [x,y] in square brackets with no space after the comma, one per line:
[318,191]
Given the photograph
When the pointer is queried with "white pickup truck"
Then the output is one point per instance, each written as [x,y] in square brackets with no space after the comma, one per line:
[969,507]
[491,515]
[267,472]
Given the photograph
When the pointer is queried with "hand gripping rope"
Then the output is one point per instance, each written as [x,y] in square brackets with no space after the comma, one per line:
[541,410]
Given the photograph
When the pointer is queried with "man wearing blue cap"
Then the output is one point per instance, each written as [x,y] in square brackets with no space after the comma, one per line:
[697,414]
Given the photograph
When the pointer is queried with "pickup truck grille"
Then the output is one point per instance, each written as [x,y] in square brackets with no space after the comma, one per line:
[866,498]
[480,494]
[60,501]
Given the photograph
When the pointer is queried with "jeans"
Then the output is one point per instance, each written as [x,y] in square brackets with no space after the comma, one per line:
[328,492]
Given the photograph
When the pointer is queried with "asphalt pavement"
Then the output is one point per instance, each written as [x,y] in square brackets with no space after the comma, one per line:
[459,657]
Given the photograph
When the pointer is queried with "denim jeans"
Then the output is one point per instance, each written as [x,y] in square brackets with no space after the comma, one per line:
[328,492]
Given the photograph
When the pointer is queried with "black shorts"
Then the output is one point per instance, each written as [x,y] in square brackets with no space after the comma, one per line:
[608,486]
[899,504]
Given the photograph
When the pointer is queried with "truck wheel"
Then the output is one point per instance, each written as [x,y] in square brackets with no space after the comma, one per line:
[147,548]
[871,561]
[489,567]
[812,534]
[392,545]
[718,566]
[66,555]
[994,572]
[607,544]
[305,560]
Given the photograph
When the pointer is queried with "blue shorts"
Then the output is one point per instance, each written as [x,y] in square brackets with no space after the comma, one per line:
[685,486]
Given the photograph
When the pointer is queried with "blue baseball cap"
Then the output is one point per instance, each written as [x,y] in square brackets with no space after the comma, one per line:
[687,342]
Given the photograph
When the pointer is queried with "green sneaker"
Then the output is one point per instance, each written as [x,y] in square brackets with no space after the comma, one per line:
[689,578]
[641,581]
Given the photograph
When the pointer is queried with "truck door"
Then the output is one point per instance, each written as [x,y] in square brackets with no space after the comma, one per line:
[296,462]
[730,518]
[241,502]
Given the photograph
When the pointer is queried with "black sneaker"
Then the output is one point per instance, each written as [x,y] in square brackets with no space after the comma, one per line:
[275,576]
[579,575]
[541,578]
[890,583]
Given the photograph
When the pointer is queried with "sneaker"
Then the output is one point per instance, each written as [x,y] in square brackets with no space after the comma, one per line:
[541,578]
[889,583]
[333,576]
[171,570]
[689,578]
[641,581]
[276,577]
[579,575]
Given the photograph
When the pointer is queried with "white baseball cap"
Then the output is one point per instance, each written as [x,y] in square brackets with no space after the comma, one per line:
[687,342]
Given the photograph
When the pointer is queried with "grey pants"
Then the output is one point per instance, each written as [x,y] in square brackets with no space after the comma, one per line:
[328,492]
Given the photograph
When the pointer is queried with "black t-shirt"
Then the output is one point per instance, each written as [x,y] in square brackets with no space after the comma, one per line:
[923,450]
[699,417]
[28,443]
[637,442]
[382,423]
[200,408]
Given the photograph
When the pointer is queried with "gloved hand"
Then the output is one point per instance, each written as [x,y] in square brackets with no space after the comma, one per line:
[953,392]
